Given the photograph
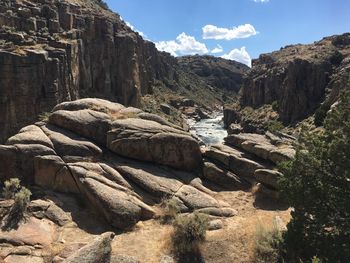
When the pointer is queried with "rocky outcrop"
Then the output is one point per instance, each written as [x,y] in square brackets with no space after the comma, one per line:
[296,78]
[119,162]
[248,159]
[54,51]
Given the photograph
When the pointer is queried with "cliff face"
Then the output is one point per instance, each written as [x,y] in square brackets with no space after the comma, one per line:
[297,77]
[53,51]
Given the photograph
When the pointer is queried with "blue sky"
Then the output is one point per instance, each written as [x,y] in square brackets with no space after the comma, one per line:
[234,29]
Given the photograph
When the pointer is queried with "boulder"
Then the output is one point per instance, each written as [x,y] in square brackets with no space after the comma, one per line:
[87,123]
[231,116]
[17,160]
[267,177]
[95,104]
[234,129]
[262,147]
[30,135]
[68,144]
[165,108]
[98,250]
[222,177]
[119,206]
[32,232]
[150,141]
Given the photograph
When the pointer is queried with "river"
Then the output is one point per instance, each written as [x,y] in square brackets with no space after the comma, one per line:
[210,131]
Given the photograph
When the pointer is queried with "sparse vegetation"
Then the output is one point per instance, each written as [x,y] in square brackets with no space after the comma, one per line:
[316,184]
[102,4]
[44,116]
[275,126]
[170,211]
[21,196]
[189,233]
[321,114]
[268,244]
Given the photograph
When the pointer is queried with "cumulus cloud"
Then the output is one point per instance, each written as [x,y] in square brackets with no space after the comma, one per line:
[217,49]
[241,31]
[183,45]
[134,29]
[261,1]
[240,55]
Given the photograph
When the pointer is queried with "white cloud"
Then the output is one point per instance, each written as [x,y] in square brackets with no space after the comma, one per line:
[261,1]
[240,55]
[241,31]
[217,49]
[183,45]
[134,29]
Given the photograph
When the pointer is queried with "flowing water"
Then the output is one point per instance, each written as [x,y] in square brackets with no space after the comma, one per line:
[210,131]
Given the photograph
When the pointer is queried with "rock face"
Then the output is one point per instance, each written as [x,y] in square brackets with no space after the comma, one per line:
[117,159]
[296,77]
[58,51]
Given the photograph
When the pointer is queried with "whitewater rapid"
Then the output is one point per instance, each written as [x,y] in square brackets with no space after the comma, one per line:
[209,131]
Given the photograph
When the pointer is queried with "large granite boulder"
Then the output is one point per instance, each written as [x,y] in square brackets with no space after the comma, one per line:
[98,250]
[262,147]
[150,141]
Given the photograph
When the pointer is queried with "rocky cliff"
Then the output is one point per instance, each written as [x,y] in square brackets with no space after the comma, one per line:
[53,51]
[297,78]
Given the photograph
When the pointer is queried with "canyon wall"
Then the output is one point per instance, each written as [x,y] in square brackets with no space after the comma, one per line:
[53,51]
[297,78]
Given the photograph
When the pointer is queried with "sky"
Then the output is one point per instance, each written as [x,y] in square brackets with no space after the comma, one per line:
[233,29]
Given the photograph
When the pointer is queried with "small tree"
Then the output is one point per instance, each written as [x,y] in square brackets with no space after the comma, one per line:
[189,233]
[317,185]
[21,196]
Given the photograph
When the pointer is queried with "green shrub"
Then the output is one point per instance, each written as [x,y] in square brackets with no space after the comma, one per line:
[321,113]
[268,244]
[275,105]
[21,196]
[189,233]
[12,187]
[170,210]
[316,185]
[275,126]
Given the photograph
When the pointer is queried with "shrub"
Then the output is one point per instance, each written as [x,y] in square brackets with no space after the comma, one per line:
[189,233]
[268,244]
[316,184]
[44,116]
[275,126]
[275,105]
[21,196]
[321,114]
[12,187]
[170,210]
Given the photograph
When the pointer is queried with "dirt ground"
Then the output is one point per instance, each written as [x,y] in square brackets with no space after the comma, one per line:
[149,241]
